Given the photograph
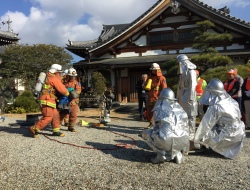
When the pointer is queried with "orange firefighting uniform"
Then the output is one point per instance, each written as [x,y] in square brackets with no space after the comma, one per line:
[51,88]
[71,118]
[158,84]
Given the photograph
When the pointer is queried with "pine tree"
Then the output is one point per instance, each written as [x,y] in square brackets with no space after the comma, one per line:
[205,42]
[98,82]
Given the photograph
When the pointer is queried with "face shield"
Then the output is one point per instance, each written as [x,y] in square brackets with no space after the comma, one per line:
[164,104]
[205,98]
[179,71]
[182,67]
[210,97]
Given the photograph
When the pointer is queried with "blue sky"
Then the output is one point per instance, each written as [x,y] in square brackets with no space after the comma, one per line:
[57,21]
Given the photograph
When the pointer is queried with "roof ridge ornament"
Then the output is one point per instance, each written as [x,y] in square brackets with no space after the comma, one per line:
[8,22]
[175,7]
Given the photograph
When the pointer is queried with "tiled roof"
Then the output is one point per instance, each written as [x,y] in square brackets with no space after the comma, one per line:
[221,13]
[109,32]
[9,35]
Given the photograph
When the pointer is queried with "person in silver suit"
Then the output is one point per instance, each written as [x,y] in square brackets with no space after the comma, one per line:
[186,94]
[221,127]
[170,135]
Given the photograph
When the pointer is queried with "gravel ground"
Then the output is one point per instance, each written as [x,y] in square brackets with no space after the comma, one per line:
[92,159]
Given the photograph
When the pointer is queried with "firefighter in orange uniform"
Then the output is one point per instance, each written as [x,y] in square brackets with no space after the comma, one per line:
[156,82]
[51,88]
[65,120]
[74,88]
[200,87]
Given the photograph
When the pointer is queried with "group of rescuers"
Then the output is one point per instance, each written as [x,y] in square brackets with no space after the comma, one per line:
[172,132]
[59,101]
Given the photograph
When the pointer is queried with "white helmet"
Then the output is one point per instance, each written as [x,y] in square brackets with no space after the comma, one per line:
[66,71]
[72,72]
[55,68]
[155,66]
[182,57]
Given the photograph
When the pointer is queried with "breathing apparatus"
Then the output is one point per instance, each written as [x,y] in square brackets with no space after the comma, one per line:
[39,84]
[148,86]
[106,101]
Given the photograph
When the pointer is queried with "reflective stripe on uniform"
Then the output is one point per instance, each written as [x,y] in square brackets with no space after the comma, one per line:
[44,102]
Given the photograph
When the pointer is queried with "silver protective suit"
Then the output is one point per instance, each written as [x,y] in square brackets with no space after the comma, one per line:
[221,127]
[186,93]
[170,134]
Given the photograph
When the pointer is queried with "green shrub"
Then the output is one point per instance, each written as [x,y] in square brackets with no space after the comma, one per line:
[220,72]
[13,109]
[25,103]
[98,82]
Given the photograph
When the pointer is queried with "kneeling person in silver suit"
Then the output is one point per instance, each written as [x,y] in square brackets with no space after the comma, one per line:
[221,127]
[170,134]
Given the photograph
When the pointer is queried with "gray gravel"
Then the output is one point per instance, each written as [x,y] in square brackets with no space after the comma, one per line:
[89,159]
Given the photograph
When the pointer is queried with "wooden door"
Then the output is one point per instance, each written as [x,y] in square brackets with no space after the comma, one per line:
[125,88]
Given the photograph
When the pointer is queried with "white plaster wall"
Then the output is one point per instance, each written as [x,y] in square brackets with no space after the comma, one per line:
[188,50]
[172,52]
[128,54]
[235,46]
[142,41]
[18,85]
[188,26]
[161,29]
[154,52]
[219,48]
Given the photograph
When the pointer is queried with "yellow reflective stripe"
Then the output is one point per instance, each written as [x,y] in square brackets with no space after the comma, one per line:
[56,129]
[44,102]
[46,86]
[156,88]
[51,104]
[35,128]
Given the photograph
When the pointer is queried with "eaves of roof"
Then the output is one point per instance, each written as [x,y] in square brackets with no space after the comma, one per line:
[8,35]
[133,61]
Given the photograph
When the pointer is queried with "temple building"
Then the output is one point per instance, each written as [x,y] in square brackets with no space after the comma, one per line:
[123,52]
[8,37]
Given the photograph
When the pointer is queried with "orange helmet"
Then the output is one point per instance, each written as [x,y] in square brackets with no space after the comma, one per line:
[231,71]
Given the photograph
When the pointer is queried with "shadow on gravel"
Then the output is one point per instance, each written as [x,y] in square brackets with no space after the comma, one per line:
[207,153]
[124,129]
[130,109]
[130,154]
[16,128]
